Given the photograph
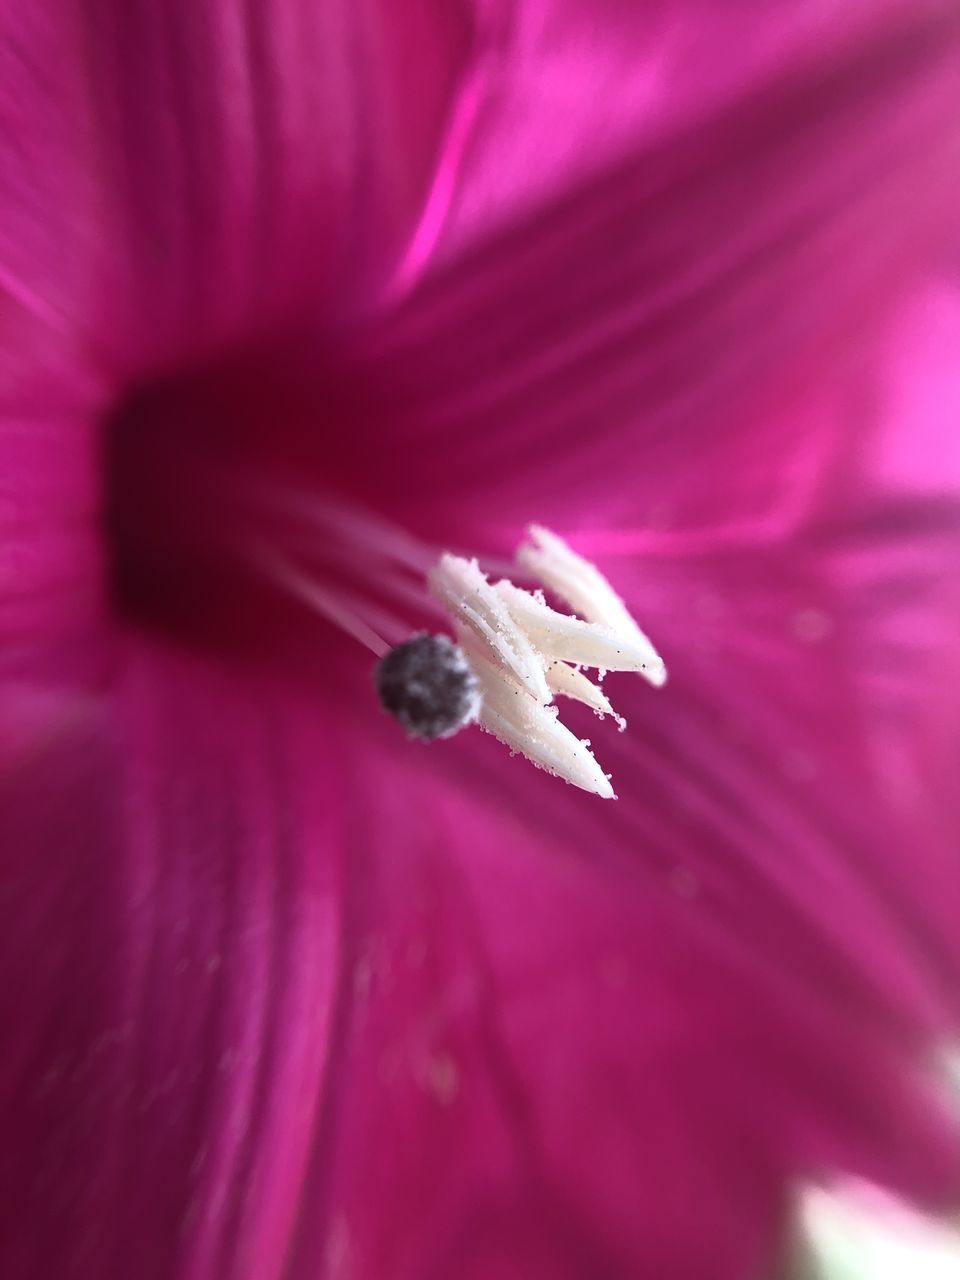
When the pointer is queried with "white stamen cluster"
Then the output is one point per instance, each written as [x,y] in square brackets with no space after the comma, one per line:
[523,652]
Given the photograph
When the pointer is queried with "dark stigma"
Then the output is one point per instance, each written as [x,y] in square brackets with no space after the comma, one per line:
[427,685]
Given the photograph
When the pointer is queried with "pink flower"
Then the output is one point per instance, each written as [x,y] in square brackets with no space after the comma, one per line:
[285,995]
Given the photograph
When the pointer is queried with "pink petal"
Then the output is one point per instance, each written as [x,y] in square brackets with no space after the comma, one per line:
[51,569]
[174,175]
[624,78]
[755,781]
[672,305]
[551,1068]
[895,539]
[170,959]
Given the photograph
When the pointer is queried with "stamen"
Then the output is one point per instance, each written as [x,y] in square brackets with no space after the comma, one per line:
[581,585]
[525,725]
[461,586]
[569,682]
[557,635]
[520,651]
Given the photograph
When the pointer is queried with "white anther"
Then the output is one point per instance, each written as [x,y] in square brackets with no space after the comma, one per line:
[460,585]
[571,683]
[521,652]
[591,644]
[584,588]
[525,725]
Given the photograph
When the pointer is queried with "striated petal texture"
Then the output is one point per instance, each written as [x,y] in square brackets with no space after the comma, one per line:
[180,175]
[171,891]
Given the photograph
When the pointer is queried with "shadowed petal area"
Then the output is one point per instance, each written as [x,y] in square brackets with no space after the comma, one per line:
[171,897]
[173,174]
[51,567]
[893,544]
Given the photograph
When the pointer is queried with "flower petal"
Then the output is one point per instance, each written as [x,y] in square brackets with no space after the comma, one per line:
[51,567]
[825,668]
[670,309]
[174,175]
[551,1070]
[893,541]
[664,68]
[170,954]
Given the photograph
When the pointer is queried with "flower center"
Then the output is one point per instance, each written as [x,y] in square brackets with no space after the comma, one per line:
[234,519]
[236,509]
